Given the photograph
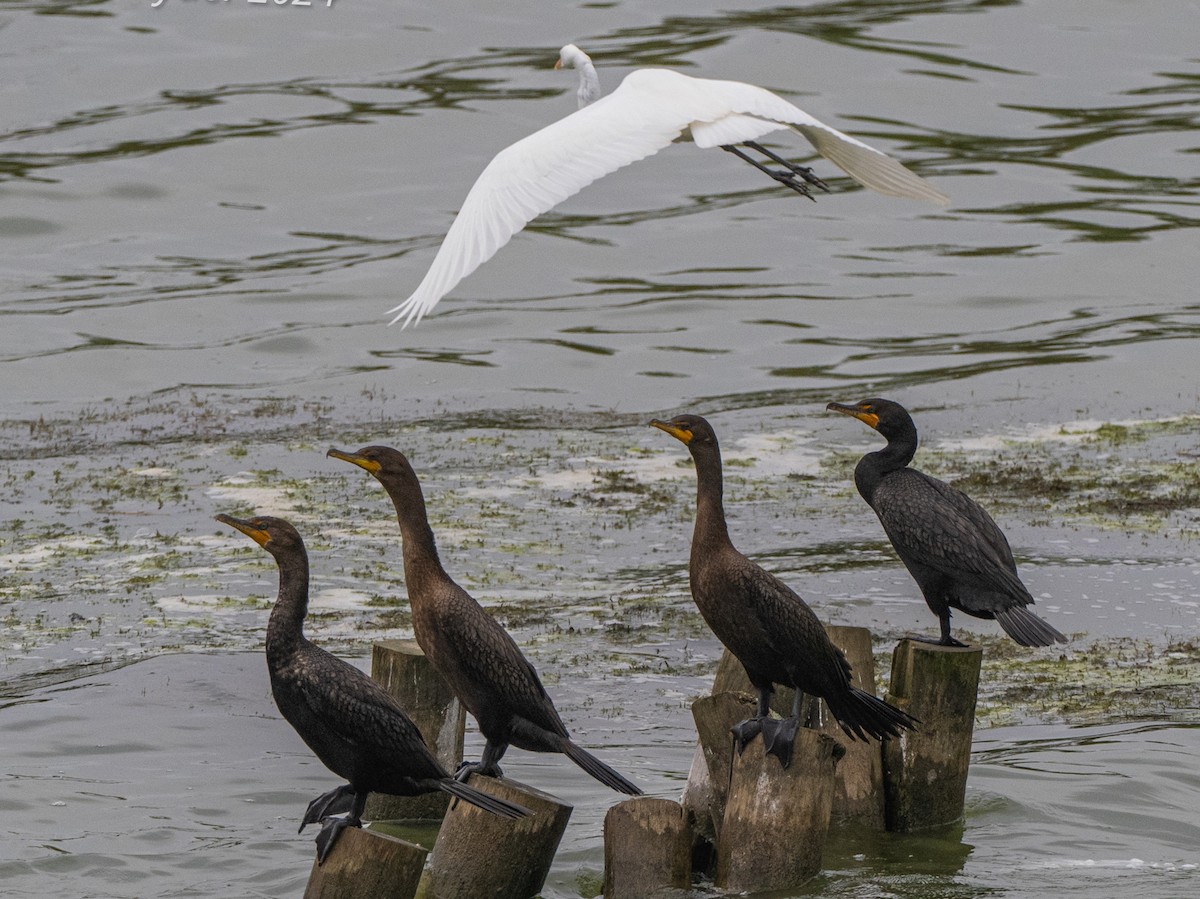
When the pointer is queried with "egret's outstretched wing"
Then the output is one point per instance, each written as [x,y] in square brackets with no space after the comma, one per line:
[536,174]
[650,109]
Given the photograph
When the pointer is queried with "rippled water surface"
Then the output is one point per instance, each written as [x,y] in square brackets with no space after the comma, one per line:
[206,210]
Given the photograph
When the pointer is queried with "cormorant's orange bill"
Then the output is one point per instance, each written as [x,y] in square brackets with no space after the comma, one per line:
[861,412]
[681,434]
[255,533]
[366,464]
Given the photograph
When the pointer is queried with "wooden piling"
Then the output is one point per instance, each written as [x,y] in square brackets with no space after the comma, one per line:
[714,716]
[858,792]
[365,863]
[479,854]
[401,667]
[858,786]
[925,771]
[776,819]
[647,849]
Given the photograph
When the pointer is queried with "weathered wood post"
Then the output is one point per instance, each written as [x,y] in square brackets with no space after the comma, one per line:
[925,771]
[714,716]
[858,793]
[776,819]
[363,863]
[401,667]
[858,788]
[647,848]
[478,854]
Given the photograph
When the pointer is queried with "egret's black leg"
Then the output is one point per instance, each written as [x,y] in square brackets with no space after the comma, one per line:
[488,764]
[335,802]
[334,826]
[802,170]
[787,179]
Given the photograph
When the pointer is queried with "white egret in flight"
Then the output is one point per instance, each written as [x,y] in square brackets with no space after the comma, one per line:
[650,109]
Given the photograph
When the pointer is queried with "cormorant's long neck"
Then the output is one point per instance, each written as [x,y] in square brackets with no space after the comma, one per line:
[711,531]
[873,467]
[285,629]
[421,562]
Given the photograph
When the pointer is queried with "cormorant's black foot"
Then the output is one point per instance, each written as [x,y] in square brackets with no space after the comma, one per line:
[466,769]
[779,738]
[939,641]
[336,802]
[746,731]
[329,834]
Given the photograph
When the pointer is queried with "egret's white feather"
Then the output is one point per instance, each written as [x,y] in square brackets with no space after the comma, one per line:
[650,109]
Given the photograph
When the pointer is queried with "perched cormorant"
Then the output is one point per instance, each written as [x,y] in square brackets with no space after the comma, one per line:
[466,645]
[953,549]
[352,724]
[763,622]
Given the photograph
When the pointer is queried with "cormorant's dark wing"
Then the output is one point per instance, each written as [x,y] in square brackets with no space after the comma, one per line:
[934,525]
[353,709]
[486,656]
[792,633]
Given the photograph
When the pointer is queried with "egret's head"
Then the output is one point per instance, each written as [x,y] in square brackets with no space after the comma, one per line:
[571,57]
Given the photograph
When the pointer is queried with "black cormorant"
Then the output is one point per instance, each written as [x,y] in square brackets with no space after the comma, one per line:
[953,549]
[352,724]
[466,645]
[763,622]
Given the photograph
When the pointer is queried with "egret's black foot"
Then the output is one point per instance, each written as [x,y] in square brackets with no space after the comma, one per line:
[466,769]
[805,173]
[801,172]
[779,738]
[787,179]
[745,732]
[330,832]
[337,801]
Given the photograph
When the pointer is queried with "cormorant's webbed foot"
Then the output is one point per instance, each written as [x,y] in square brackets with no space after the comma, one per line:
[336,802]
[937,641]
[746,731]
[466,769]
[330,832]
[778,734]
[779,738]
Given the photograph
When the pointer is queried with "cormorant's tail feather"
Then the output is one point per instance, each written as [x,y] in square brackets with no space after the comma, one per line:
[485,801]
[861,715]
[598,769]
[1026,628]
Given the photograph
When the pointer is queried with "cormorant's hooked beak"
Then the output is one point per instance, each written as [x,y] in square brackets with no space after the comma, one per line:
[257,534]
[870,419]
[369,465]
[683,435]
